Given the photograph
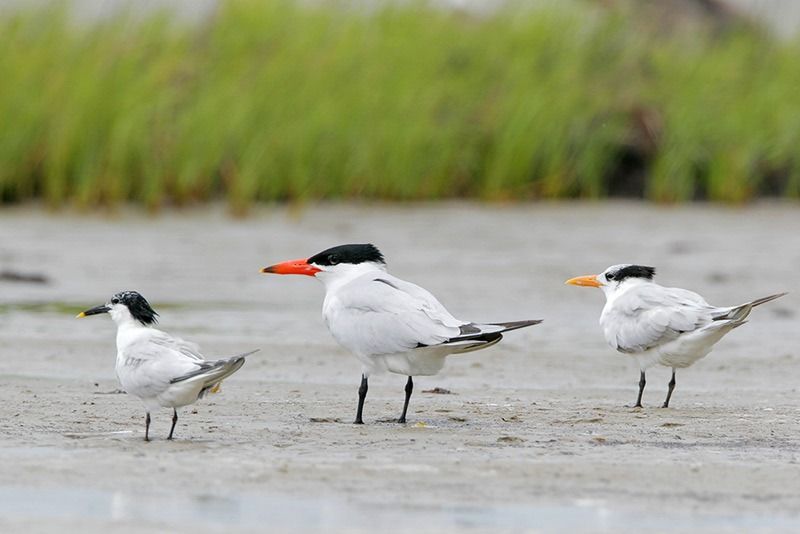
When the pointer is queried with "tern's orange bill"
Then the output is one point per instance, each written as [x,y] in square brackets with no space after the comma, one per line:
[292,267]
[584,281]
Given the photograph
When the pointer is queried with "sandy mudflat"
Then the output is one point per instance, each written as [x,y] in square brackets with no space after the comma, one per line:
[534,437]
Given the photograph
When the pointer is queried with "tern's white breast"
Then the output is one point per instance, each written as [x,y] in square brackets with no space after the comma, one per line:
[145,369]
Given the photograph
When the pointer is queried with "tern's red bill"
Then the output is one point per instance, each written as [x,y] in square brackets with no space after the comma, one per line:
[292,267]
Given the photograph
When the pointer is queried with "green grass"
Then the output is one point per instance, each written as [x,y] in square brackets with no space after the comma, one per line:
[294,101]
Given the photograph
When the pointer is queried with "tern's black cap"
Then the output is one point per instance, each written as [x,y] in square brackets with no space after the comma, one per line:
[631,271]
[138,306]
[355,254]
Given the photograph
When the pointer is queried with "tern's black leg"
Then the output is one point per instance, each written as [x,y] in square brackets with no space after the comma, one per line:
[669,391]
[147,427]
[642,382]
[174,420]
[362,394]
[409,389]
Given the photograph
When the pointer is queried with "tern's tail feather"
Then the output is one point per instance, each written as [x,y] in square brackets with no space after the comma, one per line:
[490,332]
[514,325]
[211,373]
[760,301]
[475,336]
[740,312]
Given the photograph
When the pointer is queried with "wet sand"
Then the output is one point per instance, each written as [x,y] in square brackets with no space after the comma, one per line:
[535,435]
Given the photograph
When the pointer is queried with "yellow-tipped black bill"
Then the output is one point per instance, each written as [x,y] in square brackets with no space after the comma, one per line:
[94,311]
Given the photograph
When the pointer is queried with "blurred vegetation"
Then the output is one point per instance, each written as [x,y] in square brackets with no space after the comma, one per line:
[291,100]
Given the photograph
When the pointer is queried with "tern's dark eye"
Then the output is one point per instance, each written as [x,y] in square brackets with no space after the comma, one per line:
[333,259]
[610,276]
[115,301]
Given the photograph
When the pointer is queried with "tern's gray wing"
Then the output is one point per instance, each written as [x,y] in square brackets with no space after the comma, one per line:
[186,348]
[384,315]
[148,363]
[650,315]
[422,298]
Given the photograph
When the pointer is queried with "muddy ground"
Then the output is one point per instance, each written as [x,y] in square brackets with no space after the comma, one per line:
[534,435]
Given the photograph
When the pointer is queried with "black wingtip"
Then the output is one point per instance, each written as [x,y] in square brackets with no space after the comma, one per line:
[516,325]
[764,300]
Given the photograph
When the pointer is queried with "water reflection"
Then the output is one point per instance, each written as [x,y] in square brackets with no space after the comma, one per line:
[252,510]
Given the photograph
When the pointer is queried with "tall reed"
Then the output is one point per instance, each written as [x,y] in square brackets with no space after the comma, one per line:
[291,100]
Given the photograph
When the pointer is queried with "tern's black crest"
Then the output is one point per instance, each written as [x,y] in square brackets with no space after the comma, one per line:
[354,254]
[138,306]
[632,271]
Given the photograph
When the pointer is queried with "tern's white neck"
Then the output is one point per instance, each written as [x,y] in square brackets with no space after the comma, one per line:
[334,277]
[122,316]
[613,290]
[128,328]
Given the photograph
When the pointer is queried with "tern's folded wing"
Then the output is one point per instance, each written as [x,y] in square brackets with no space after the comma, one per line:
[384,315]
[186,348]
[422,298]
[148,364]
[650,315]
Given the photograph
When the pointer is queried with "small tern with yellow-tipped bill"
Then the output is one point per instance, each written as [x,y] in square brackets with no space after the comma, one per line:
[159,369]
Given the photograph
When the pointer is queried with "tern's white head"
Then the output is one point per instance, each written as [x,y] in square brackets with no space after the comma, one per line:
[126,307]
[615,276]
[334,265]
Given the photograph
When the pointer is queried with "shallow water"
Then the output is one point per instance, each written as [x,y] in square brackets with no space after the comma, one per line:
[254,511]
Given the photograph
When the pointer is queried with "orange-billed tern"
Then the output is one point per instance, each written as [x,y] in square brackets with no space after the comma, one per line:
[660,325]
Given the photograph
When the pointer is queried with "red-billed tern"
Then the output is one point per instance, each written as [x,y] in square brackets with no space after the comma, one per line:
[387,323]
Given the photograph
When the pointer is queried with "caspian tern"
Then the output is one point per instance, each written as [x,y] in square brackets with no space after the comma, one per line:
[159,369]
[387,323]
[660,325]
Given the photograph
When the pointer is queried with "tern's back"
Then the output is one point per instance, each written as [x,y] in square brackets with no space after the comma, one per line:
[640,316]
